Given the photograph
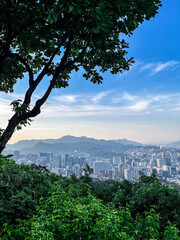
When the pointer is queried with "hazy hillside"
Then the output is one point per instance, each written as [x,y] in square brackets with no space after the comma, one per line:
[127,142]
[174,144]
[68,144]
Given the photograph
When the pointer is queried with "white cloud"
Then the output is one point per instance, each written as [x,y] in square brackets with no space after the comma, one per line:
[5,108]
[100,96]
[113,105]
[124,97]
[66,98]
[156,67]
[163,66]
[139,106]
[120,105]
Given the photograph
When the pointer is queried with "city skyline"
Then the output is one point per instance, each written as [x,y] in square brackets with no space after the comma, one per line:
[111,162]
[141,105]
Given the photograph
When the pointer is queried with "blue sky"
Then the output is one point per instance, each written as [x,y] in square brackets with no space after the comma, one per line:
[142,104]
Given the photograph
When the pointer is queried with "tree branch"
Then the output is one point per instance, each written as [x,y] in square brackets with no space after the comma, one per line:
[36,110]
[64,58]
[31,89]
[80,54]
[46,68]
[23,61]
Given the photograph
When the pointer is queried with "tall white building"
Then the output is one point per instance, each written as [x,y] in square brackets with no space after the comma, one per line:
[77,170]
[127,174]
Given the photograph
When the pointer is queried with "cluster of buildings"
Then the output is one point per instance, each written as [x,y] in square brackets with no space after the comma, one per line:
[165,164]
[130,164]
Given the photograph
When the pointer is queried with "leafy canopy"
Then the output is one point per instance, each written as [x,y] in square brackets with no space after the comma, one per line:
[54,37]
[35,204]
[21,187]
[33,32]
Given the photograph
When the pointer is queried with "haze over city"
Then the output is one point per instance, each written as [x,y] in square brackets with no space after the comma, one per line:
[141,105]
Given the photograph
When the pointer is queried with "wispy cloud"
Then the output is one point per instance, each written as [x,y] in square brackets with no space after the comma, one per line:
[139,105]
[104,104]
[156,67]
[100,96]
[124,97]
[66,98]
[5,107]
[119,104]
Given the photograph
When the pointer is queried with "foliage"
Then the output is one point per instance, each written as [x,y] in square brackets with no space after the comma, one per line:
[86,177]
[166,199]
[65,216]
[67,208]
[33,31]
[171,232]
[141,196]
[52,38]
[148,227]
[21,187]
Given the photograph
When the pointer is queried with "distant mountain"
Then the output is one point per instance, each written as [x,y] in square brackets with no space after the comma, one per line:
[68,144]
[30,143]
[22,144]
[64,147]
[72,139]
[127,142]
[174,144]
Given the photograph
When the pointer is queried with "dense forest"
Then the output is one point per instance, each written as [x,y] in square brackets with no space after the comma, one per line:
[37,204]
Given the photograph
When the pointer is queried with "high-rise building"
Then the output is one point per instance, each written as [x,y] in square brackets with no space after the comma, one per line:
[135,174]
[77,170]
[168,161]
[98,166]
[167,169]
[44,158]
[116,160]
[56,161]
[159,162]
[128,174]
[64,160]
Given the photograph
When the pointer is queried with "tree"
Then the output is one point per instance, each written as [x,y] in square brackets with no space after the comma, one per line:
[22,187]
[65,215]
[52,38]
[148,192]
[36,204]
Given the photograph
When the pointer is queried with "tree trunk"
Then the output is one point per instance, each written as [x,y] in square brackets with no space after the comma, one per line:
[13,122]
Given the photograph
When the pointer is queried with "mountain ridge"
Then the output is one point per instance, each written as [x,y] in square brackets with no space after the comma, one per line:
[174,144]
[33,144]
